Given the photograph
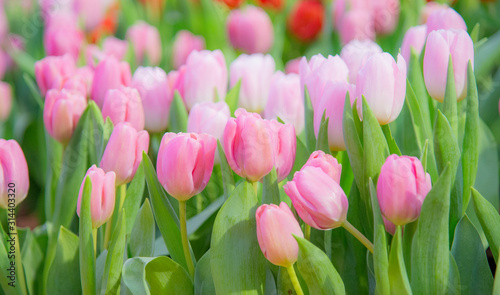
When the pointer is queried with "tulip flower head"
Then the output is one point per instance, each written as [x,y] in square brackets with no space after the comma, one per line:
[146,41]
[52,72]
[5,101]
[62,36]
[445,19]
[124,105]
[185,43]
[109,74]
[250,29]
[327,163]
[356,53]
[14,177]
[414,38]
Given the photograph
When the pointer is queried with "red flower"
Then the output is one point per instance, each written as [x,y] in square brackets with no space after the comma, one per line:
[232,3]
[274,4]
[306,20]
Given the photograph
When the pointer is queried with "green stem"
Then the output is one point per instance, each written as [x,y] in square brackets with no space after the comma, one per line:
[295,280]
[184,237]
[109,225]
[94,235]
[18,258]
[307,232]
[358,235]
[107,234]
[254,184]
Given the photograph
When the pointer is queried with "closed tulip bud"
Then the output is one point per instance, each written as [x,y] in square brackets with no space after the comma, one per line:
[285,100]
[255,72]
[205,77]
[250,30]
[357,25]
[327,163]
[445,19]
[102,197]
[306,20]
[146,41]
[429,8]
[382,82]
[318,199]
[5,101]
[439,46]
[124,105]
[356,53]
[185,163]
[61,113]
[81,81]
[154,90]
[284,147]
[401,188]
[414,38]
[385,15]
[292,66]
[63,36]
[123,153]
[175,81]
[109,74]
[52,72]
[115,47]
[276,226]
[14,175]
[185,43]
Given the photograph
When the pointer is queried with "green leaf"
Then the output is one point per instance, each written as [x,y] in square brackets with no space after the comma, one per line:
[430,259]
[284,284]
[96,133]
[474,34]
[227,173]
[309,121]
[203,281]
[487,55]
[233,97]
[454,286]
[490,221]
[322,143]
[496,284]
[419,93]
[100,265]
[397,270]
[317,270]
[135,192]
[391,142]
[54,164]
[32,259]
[234,233]
[301,157]
[353,144]
[450,99]
[177,121]
[114,260]
[142,238]
[270,189]
[423,156]
[33,89]
[87,258]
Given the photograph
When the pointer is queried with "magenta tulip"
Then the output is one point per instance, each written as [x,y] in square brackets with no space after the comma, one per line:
[327,163]
[185,43]
[146,41]
[52,72]
[5,101]
[124,105]
[109,74]
[413,39]
[250,29]
[14,177]
[445,19]
[356,53]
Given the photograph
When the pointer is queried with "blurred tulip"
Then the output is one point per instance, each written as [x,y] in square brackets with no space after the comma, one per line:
[14,177]
[318,199]
[440,45]
[272,4]
[445,19]
[123,153]
[285,100]
[354,20]
[175,80]
[4,24]
[401,188]
[205,77]
[154,90]
[327,163]
[5,101]
[50,8]
[102,198]
[52,72]
[292,66]
[414,38]
[185,163]
[61,113]
[185,43]
[356,53]
[81,81]
[276,226]
[429,8]
[62,36]
[111,46]
[250,29]
[306,20]
[91,12]
[382,82]
[255,72]
[386,15]
[124,105]
[232,3]
[109,74]
[146,41]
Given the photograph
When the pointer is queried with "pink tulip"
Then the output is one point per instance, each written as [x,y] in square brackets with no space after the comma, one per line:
[50,8]
[292,66]
[62,36]
[81,81]
[102,197]
[146,41]
[255,72]
[386,15]
[5,101]
[445,19]
[175,81]
[327,163]
[153,87]
[250,29]
[354,19]
[382,82]
[389,226]
[111,46]
[401,188]
[414,38]
[204,77]
[276,226]
[185,163]
[61,113]
[285,100]
[109,74]
[440,45]
[123,153]
[429,8]
[185,43]
[284,147]
[124,105]
[4,24]
[14,177]
[52,72]
[91,12]
[318,199]
[356,53]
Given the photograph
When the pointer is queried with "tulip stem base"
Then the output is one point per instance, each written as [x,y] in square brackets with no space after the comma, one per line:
[94,235]
[307,232]
[295,280]
[184,236]
[358,235]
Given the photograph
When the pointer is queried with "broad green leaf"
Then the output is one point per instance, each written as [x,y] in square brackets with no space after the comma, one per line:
[96,134]
[32,259]
[270,189]
[397,271]
[234,233]
[227,173]
[419,93]
[391,142]
[317,270]
[54,164]
[203,282]
[419,124]
[356,117]
[142,238]
[114,260]
[496,284]
[178,116]
[87,258]
[353,144]
[270,288]
[134,275]
[233,97]
[100,265]
[322,142]
[490,221]
[454,286]
[409,232]
[487,55]
[197,221]
[135,192]
[309,121]
[430,250]
[450,99]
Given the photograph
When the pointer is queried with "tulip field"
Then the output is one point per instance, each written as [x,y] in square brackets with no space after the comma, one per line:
[267,147]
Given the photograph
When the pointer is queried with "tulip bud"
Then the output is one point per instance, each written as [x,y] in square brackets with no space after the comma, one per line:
[185,43]
[81,81]
[276,226]
[102,197]
[185,163]
[327,163]
[356,53]
[124,105]
[401,188]
[284,147]
[14,175]
[115,47]
[156,97]
[5,101]
[255,72]
[318,199]
[306,20]
[205,77]
[382,82]
[146,41]
[414,38]
[357,25]
[439,46]
[62,36]
[445,19]
[123,153]
[52,72]
[61,113]
[385,15]
[429,8]
[109,74]
[285,100]
[292,66]
[250,29]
